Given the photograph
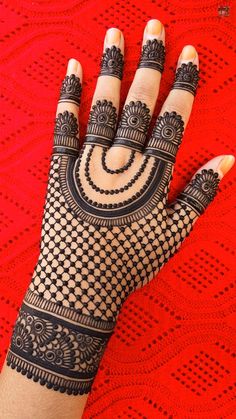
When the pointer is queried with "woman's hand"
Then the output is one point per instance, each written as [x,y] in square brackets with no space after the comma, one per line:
[108,227]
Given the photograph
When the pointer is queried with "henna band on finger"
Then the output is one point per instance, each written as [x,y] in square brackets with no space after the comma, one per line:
[112,62]
[186,78]
[66,134]
[166,137]
[133,126]
[71,90]
[101,123]
[153,55]
[201,190]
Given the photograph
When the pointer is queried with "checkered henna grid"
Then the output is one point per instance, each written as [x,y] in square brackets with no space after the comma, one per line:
[105,232]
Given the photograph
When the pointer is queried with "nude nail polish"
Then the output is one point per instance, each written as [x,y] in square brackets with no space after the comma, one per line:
[226,164]
[188,53]
[113,37]
[153,29]
[73,66]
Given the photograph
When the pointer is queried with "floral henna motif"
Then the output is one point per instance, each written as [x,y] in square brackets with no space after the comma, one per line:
[55,351]
[71,90]
[201,190]
[101,123]
[186,78]
[66,134]
[133,126]
[112,63]
[153,55]
[166,137]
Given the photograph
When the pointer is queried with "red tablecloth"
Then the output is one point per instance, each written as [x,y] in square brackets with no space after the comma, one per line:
[174,348]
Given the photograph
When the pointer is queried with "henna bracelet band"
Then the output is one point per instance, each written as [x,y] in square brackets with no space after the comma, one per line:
[56,346]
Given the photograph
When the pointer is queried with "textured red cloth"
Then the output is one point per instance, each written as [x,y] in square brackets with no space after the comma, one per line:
[174,348]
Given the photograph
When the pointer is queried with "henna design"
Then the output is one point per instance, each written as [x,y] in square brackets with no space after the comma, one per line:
[102,123]
[153,55]
[71,90]
[133,126]
[121,169]
[98,244]
[201,190]
[187,77]
[112,62]
[66,134]
[55,351]
[112,191]
[166,137]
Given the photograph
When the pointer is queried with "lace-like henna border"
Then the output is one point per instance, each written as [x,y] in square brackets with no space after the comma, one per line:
[59,352]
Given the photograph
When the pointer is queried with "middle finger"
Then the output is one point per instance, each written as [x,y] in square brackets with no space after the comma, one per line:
[143,93]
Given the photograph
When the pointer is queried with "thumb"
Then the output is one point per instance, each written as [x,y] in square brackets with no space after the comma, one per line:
[194,199]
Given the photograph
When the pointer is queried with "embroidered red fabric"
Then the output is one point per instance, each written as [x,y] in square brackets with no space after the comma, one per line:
[173,351]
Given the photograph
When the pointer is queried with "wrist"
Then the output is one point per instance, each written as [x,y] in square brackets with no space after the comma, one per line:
[57,346]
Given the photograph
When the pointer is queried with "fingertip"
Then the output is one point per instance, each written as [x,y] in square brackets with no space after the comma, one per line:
[154,29]
[114,37]
[74,67]
[225,165]
[188,54]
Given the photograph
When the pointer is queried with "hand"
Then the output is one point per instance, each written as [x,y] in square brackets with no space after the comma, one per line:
[107,227]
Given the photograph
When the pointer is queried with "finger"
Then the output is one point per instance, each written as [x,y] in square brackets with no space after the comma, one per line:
[169,128]
[105,104]
[66,132]
[192,202]
[142,96]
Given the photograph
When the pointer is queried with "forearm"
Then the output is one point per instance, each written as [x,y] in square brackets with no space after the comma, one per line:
[57,353]
[22,398]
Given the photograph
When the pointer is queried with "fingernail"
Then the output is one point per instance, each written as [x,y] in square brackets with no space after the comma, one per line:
[153,29]
[113,37]
[226,164]
[188,53]
[73,67]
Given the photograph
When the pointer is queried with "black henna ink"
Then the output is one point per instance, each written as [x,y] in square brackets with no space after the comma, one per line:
[201,190]
[112,62]
[112,191]
[120,213]
[166,137]
[121,169]
[153,55]
[187,77]
[66,134]
[101,123]
[133,126]
[71,90]
[53,350]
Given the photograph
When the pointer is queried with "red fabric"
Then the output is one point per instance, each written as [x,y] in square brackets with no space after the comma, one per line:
[174,348]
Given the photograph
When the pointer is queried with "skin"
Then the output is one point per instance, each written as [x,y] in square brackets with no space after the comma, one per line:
[41,402]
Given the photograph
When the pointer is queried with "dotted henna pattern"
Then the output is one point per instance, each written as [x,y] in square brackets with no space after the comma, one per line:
[100,243]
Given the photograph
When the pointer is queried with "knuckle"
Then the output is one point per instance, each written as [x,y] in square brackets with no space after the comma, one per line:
[143,93]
